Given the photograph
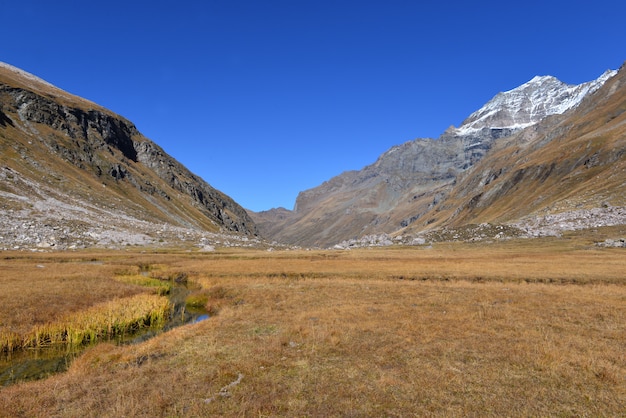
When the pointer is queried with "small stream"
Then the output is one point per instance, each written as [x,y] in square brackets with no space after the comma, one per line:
[39,363]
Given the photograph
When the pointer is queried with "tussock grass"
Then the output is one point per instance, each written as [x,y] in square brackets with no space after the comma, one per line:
[210,299]
[339,335]
[38,289]
[72,299]
[102,321]
[161,287]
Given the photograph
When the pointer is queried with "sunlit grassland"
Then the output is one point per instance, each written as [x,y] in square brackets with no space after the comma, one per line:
[528,328]
[48,301]
[104,320]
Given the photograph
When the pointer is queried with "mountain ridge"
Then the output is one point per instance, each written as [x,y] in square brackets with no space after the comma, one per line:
[409,180]
[542,92]
[565,162]
[74,174]
[57,147]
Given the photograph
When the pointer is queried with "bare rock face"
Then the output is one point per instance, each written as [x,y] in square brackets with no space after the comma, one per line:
[58,148]
[212,202]
[90,130]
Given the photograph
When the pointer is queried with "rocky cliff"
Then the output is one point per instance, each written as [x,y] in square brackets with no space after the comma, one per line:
[75,167]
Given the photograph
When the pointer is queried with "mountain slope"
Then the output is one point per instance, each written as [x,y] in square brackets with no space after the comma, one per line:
[81,175]
[569,168]
[409,180]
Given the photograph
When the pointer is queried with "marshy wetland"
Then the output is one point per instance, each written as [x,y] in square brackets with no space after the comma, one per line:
[49,347]
[528,327]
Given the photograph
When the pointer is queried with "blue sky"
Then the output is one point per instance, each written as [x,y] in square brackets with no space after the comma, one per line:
[264,99]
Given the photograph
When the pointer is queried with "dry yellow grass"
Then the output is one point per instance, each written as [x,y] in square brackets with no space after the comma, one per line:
[457,330]
[38,288]
[48,299]
[105,320]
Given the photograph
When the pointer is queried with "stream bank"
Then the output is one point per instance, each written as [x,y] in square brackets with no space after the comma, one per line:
[39,363]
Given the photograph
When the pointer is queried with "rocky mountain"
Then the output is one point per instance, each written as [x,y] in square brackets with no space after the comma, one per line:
[410,181]
[74,174]
[529,103]
[566,172]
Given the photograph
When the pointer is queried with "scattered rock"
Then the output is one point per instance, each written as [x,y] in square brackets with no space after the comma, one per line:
[613,243]
[555,224]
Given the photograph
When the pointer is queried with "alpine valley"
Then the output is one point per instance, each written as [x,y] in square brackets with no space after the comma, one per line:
[541,159]
[494,292]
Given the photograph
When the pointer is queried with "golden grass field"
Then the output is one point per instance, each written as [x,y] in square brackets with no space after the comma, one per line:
[522,328]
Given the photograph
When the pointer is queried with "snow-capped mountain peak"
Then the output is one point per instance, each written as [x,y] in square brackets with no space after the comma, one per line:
[527,104]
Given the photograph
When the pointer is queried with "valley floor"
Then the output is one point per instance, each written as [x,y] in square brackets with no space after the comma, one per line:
[519,328]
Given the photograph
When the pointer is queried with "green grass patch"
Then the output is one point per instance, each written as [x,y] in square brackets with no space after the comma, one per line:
[197,300]
[161,287]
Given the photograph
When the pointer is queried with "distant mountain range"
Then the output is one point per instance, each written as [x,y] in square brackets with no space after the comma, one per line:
[540,159]
[496,167]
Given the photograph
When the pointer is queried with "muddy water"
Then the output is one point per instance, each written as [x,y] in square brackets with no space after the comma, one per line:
[39,363]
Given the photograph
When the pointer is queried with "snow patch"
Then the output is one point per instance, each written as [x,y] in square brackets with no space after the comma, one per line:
[529,103]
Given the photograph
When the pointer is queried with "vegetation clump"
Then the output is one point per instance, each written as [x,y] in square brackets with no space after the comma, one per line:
[211,299]
[161,287]
[103,321]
